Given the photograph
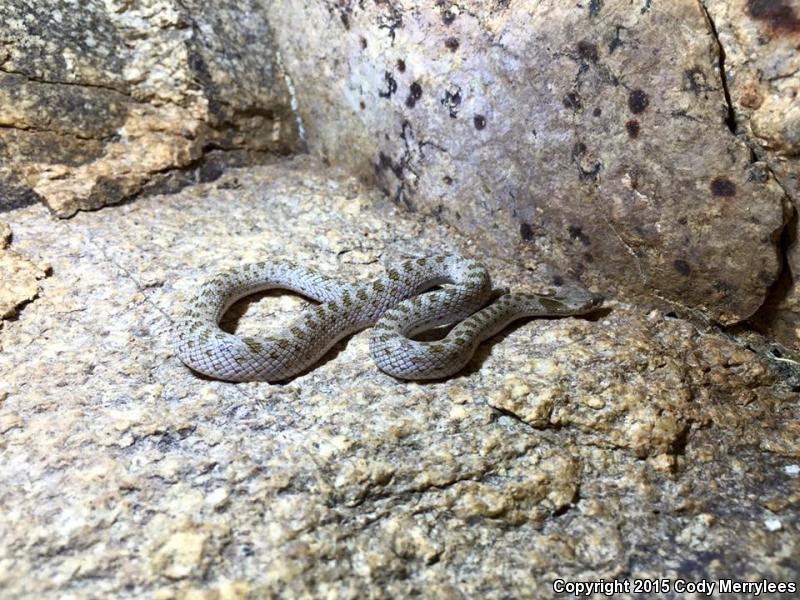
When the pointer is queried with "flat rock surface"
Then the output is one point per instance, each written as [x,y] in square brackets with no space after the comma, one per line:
[627,445]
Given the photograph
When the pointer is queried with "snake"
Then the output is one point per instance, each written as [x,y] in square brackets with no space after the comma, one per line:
[413,296]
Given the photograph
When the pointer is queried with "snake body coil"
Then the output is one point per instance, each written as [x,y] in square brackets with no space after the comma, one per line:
[395,304]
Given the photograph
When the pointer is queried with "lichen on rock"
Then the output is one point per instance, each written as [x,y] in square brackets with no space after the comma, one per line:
[593,134]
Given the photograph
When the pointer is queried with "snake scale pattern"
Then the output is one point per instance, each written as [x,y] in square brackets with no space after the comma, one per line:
[395,305]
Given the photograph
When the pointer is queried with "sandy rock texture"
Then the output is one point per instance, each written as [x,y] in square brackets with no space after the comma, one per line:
[592,133]
[19,277]
[761,41]
[632,444]
[99,100]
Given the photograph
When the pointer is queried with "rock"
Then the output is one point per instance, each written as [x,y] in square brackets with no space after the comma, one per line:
[569,448]
[19,277]
[590,135]
[181,555]
[5,235]
[96,103]
[762,66]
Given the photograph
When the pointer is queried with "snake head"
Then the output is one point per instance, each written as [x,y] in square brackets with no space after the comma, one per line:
[571,302]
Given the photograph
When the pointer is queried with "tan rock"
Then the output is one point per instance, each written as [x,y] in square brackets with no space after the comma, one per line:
[5,235]
[181,555]
[93,121]
[126,475]
[762,66]
[19,276]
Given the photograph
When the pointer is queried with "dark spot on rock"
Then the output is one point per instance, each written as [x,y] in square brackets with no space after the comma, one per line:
[401,65]
[362,105]
[112,190]
[558,280]
[479,121]
[447,180]
[414,94]
[587,174]
[616,42]
[578,149]
[587,50]
[766,277]
[778,14]
[391,21]
[451,43]
[724,287]
[363,43]
[696,81]
[595,6]
[199,68]
[451,101]
[597,111]
[526,231]
[384,161]
[683,221]
[448,17]
[638,101]
[633,128]
[210,172]
[576,233]
[391,86]
[682,267]
[723,187]
[572,100]
[587,256]
[758,173]
[345,20]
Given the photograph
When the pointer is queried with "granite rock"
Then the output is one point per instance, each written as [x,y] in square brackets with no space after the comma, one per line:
[593,134]
[19,277]
[99,98]
[632,444]
[761,42]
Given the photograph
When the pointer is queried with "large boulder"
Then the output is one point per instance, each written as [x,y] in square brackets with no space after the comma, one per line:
[761,41]
[97,102]
[593,135]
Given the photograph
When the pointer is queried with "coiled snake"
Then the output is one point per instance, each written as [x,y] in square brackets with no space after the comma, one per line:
[395,304]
